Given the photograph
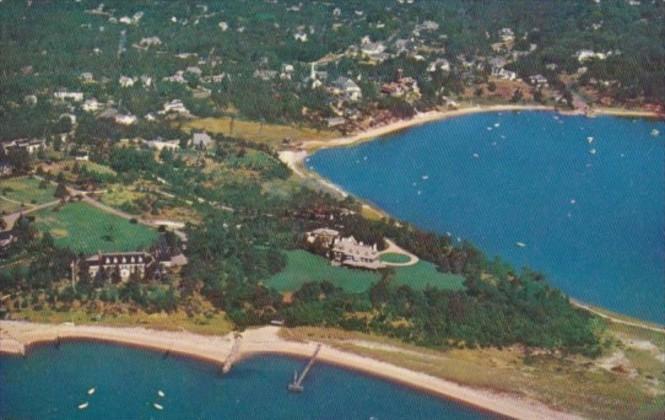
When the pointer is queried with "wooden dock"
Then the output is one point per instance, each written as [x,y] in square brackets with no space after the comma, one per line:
[296,385]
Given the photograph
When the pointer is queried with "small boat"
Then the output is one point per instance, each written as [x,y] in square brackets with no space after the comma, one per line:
[593,151]
[655,132]
[160,393]
[476,155]
[589,139]
[520,244]
[158,406]
[425,177]
[91,391]
[497,125]
[489,128]
[573,201]
[83,406]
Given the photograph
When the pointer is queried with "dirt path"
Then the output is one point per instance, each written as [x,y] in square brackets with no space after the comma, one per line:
[11,218]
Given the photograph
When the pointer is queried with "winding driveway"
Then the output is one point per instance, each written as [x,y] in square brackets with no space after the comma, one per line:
[393,248]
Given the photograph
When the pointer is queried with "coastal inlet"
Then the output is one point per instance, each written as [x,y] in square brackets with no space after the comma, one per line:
[580,199]
[52,383]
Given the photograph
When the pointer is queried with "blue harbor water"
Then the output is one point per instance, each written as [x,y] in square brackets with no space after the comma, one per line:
[51,383]
[580,199]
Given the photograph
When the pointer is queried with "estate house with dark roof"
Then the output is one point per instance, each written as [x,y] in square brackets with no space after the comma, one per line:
[124,265]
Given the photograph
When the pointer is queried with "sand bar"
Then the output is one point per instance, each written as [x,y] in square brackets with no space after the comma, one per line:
[17,336]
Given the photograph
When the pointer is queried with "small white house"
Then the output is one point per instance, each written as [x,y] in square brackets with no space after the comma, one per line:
[65,95]
[126,82]
[125,119]
[202,141]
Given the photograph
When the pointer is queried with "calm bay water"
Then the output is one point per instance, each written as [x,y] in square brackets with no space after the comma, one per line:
[50,384]
[586,196]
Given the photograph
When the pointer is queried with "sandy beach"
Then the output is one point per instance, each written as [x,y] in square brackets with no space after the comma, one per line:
[418,119]
[16,337]
[296,159]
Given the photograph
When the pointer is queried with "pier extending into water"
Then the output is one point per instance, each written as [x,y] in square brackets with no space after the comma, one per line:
[233,354]
[296,385]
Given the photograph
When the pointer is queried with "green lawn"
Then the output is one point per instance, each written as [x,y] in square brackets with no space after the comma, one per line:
[86,229]
[392,257]
[26,190]
[425,274]
[303,267]
[7,207]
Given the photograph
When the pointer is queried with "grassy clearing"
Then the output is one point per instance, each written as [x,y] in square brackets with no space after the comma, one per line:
[304,267]
[217,324]
[7,207]
[570,384]
[86,229]
[66,166]
[117,195]
[26,190]
[255,131]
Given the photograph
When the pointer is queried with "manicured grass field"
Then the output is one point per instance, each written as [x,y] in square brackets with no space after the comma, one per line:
[86,229]
[26,190]
[425,274]
[303,267]
[391,257]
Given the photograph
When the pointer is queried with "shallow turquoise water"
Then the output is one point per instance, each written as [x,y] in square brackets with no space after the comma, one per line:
[586,196]
[51,382]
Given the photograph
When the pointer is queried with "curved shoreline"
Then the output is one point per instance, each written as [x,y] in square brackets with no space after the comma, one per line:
[17,337]
[296,162]
[433,116]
